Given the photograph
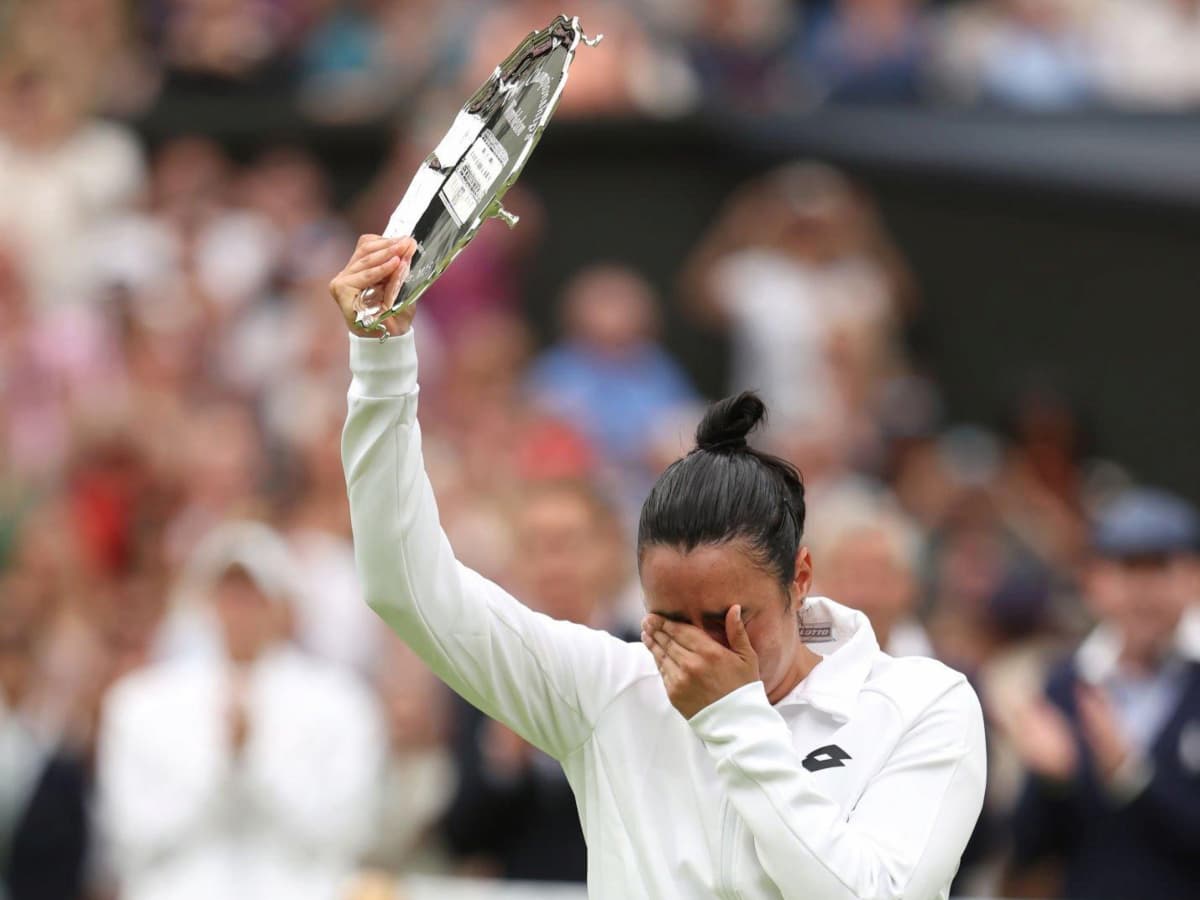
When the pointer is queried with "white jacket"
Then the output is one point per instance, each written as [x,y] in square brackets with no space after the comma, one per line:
[185,820]
[864,782]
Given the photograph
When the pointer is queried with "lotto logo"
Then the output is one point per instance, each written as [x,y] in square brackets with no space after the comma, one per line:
[827,757]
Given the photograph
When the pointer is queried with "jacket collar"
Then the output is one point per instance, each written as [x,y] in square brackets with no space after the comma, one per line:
[1098,656]
[846,642]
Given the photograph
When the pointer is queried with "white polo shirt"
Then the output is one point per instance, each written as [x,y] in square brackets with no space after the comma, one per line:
[864,782]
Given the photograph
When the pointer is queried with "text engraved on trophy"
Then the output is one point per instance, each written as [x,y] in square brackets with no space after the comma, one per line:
[475,175]
[516,120]
[542,80]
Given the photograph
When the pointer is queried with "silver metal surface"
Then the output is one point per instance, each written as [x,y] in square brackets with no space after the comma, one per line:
[462,182]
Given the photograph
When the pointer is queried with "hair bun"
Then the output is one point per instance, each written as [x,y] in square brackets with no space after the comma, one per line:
[727,422]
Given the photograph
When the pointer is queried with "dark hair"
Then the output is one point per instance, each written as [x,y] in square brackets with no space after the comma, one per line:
[725,490]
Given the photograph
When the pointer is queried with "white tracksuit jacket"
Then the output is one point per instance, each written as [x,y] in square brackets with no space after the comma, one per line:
[864,782]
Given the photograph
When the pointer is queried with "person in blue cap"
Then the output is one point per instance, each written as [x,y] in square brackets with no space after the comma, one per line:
[1113,752]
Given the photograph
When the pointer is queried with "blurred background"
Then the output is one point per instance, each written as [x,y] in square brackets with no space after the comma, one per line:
[952,243]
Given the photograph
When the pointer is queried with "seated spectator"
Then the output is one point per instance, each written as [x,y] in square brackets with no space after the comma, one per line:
[222,39]
[1147,52]
[362,59]
[615,82]
[608,375]
[1113,750]
[514,807]
[869,553]
[247,775]
[737,48]
[61,171]
[420,778]
[44,784]
[868,51]
[1025,54]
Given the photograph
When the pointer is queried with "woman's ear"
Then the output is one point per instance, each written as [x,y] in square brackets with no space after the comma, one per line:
[804,572]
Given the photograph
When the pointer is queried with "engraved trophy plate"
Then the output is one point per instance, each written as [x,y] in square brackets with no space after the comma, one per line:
[461,183]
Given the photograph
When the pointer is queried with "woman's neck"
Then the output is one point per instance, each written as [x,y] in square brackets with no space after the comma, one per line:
[802,663]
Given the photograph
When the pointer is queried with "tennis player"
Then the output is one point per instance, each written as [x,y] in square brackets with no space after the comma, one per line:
[759,744]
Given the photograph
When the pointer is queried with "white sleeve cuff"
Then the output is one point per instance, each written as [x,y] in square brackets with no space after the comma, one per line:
[726,720]
[383,368]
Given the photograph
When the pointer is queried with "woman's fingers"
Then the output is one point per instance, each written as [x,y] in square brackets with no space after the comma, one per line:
[658,652]
[406,247]
[380,263]
[391,290]
[370,277]
[374,257]
[672,648]
[689,636]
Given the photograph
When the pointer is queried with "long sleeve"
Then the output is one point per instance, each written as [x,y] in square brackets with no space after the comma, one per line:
[904,837]
[547,680]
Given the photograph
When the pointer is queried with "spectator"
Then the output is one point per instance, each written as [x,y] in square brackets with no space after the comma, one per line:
[799,273]
[989,591]
[61,171]
[868,51]
[1024,54]
[225,40]
[737,48]
[869,555]
[1147,52]
[514,805]
[420,778]
[44,783]
[252,774]
[616,82]
[608,375]
[330,618]
[362,59]
[1113,750]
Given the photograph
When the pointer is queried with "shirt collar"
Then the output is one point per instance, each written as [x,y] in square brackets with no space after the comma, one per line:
[1099,654]
[846,643]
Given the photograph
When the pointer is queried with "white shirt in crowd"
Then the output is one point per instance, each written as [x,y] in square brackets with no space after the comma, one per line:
[782,329]
[184,818]
[865,781]
[53,196]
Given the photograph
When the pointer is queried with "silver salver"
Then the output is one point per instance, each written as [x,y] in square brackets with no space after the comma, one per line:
[462,182]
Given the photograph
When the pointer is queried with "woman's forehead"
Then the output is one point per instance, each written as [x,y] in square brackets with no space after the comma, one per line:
[707,579]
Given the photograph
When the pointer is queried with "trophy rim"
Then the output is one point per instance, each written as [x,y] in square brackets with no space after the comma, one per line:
[569,33]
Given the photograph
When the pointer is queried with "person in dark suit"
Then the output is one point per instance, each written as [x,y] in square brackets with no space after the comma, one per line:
[513,807]
[1113,751]
[44,786]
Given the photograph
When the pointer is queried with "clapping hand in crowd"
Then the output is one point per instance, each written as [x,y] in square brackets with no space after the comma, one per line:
[1047,745]
[1102,732]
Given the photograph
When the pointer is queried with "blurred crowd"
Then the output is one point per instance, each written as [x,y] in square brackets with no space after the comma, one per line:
[194,702]
[345,61]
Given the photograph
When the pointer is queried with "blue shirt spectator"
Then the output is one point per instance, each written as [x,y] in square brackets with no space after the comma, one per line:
[1114,748]
[608,376]
[868,51]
